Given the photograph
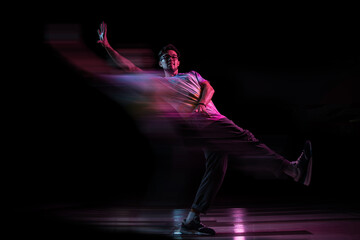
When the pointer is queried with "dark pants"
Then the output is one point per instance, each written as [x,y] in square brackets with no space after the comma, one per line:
[222,138]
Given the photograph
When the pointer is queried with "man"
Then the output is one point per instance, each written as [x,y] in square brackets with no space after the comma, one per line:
[191,99]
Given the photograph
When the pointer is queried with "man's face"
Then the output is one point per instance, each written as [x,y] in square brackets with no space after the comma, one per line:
[169,61]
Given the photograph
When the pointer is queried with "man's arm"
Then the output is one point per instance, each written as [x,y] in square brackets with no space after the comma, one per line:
[207,92]
[121,61]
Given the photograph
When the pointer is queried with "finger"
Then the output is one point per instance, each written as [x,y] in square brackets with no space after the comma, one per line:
[101,35]
[203,111]
[206,113]
[102,26]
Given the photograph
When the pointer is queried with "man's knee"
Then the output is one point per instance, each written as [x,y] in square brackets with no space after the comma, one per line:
[250,136]
[216,161]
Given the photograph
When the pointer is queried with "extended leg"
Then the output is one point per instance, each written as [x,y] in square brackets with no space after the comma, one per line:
[225,136]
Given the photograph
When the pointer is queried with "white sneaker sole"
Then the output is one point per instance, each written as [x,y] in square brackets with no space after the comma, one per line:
[192,232]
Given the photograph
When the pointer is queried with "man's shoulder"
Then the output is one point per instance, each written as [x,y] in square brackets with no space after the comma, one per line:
[190,73]
[193,72]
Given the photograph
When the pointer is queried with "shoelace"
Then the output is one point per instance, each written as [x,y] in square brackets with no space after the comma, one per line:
[198,222]
[301,155]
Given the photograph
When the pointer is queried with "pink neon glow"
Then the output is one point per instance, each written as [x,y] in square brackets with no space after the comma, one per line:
[239,227]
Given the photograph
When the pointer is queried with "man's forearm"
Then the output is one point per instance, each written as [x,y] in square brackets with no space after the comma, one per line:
[121,61]
[206,94]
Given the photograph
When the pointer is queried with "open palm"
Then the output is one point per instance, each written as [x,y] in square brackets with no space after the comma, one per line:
[102,35]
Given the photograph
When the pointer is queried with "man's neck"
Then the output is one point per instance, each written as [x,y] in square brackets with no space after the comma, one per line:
[171,73]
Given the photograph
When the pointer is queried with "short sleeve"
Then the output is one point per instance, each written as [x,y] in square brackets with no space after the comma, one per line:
[198,77]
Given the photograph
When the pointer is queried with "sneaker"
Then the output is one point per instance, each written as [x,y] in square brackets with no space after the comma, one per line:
[195,227]
[304,165]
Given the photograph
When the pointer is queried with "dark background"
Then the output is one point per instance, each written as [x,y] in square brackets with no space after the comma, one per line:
[286,73]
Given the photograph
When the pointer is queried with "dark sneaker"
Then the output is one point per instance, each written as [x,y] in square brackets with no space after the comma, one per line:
[195,227]
[304,165]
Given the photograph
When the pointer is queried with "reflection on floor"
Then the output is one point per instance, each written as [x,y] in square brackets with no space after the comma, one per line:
[286,222]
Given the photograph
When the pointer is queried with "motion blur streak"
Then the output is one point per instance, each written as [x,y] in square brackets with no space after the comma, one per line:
[66,40]
[140,90]
[143,94]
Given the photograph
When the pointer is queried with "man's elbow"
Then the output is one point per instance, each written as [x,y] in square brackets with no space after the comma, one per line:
[209,88]
[131,69]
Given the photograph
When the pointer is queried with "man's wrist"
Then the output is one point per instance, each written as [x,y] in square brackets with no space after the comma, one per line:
[108,47]
[202,104]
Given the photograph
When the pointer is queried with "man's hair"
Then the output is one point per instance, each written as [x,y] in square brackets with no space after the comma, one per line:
[167,48]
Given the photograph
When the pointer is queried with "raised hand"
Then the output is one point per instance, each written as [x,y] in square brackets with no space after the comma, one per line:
[102,35]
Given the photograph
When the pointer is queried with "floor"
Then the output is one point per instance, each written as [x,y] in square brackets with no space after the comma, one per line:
[230,223]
